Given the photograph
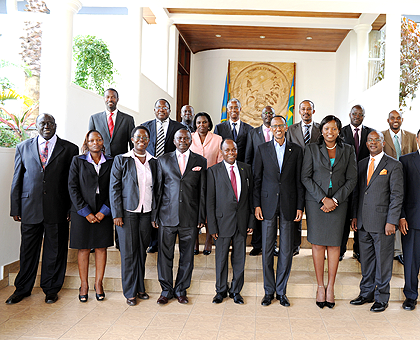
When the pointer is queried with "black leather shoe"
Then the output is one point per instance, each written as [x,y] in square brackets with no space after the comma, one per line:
[341,257]
[132,302]
[51,298]
[255,252]
[152,249]
[15,298]
[218,298]
[266,300]
[356,256]
[276,251]
[295,252]
[284,301]
[237,298]
[143,296]
[196,252]
[360,300]
[206,252]
[409,304]
[379,306]
[400,259]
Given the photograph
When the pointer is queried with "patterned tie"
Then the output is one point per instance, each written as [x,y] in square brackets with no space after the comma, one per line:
[370,170]
[307,136]
[356,141]
[110,124]
[160,142]
[234,133]
[397,146]
[233,181]
[182,163]
[44,155]
[267,134]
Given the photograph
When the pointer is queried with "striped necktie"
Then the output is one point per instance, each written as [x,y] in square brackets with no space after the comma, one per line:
[397,147]
[307,136]
[160,142]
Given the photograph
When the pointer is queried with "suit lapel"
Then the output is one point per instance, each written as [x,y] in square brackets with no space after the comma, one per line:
[378,169]
[190,164]
[287,153]
[324,152]
[363,137]
[241,129]
[118,122]
[273,154]
[169,132]
[260,134]
[58,148]
[244,184]
[104,168]
[338,154]
[225,176]
[403,145]
[228,129]
[389,141]
[34,150]
[300,134]
[104,125]
[90,167]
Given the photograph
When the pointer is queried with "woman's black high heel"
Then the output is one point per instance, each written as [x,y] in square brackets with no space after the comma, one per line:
[83,298]
[99,297]
[320,304]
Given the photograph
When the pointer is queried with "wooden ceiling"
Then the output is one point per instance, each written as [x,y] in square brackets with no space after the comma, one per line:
[205,37]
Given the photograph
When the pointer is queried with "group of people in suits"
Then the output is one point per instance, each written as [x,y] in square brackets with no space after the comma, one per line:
[166,179]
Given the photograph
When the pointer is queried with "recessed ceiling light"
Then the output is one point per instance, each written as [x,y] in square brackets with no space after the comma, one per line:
[218,35]
[262,36]
[308,38]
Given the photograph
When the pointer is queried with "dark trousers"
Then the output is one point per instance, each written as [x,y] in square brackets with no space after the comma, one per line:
[346,233]
[237,258]
[284,261]
[376,258]
[54,256]
[256,240]
[411,251]
[297,235]
[154,238]
[167,238]
[134,236]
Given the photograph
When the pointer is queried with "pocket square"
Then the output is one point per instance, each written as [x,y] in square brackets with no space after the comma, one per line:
[383,172]
[197,168]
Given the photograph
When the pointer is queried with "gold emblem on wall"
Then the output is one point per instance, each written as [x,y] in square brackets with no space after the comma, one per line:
[258,84]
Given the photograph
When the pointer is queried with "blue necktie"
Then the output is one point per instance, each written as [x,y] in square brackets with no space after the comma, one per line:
[234,133]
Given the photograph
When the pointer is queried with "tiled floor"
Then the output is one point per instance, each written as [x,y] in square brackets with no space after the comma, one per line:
[200,319]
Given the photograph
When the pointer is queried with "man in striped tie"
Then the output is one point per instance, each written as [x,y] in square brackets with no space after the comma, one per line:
[398,142]
[162,132]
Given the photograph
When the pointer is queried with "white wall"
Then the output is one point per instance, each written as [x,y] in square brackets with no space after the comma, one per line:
[9,229]
[315,78]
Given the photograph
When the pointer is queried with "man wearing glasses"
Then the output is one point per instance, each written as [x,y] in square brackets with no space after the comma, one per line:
[278,193]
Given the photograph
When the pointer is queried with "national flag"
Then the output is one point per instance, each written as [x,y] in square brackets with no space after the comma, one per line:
[226,97]
[291,105]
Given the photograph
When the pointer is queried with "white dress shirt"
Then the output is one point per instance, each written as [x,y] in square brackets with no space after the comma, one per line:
[51,145]
[359,132]
[114,116]
[376,160]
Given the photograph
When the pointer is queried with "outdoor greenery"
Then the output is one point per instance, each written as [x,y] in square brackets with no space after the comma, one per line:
[94,69]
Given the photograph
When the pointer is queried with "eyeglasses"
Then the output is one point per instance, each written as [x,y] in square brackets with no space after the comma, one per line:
[357,114]
[136,139]
[371,140]
[268,113]
[281,126]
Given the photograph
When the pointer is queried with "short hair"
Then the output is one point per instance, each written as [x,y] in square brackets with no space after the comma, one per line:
[140,127]
[400,113]
[226,139]
[358,106]
[192,108]
[309,101]
[157,101]
[326,120]
[44,114]
[278,116]
[380,134]
[418,133]
[183,129]
[234,100]
[111,89]
[203,114]
[272,109]
[85,148]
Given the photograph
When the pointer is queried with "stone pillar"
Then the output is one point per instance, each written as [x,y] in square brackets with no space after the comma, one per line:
[362,31]
[56,61]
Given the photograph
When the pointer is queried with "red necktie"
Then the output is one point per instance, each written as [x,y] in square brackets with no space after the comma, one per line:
[233,181]
[44,155]
[110,124]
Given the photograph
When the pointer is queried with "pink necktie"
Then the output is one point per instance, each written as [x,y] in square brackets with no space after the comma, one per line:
[182,163]
[233,181]
[267,134]
[110,124]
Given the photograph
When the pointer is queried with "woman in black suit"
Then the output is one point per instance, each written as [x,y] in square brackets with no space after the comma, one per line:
[91,222]
[329,174]
[132,193]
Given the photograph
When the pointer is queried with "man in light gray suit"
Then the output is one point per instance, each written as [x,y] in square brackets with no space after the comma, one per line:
[377,203]
[302,133]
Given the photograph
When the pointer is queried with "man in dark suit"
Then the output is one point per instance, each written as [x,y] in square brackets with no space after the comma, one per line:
[181,210]
[229,218]
[114,126]
[162,130]
[302,133]
[410,226]
[377,202]
[398,142]
[40,201]
[354,134]
[278,193]
[187,117]
[258,136]
[234,128]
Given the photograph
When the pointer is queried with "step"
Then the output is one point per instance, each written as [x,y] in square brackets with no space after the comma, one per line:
[302,282]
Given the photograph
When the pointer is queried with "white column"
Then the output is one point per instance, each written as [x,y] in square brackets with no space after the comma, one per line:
[169,23]
[56,60]
[362,31]
[392,59]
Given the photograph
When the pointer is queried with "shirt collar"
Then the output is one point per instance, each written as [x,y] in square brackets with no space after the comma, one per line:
[393,134]
[114,112]
[310,124]
[90,160]
[166,121]
[132,155]
[186,153]
[377,158]
[356,127]
[42,140]
[277,145]
[227,165]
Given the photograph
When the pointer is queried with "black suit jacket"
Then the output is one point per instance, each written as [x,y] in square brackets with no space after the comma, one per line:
[182,198]
[255,138]
[83,181]
[380,202]
[224,130]
[173,127]
[272,188]
[411,170]
[41,195]
[124,186]
[225,214]
[348,138]
[121,137]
